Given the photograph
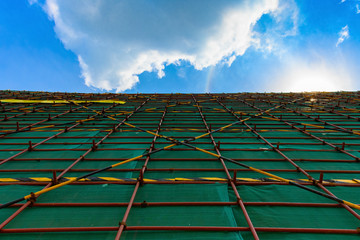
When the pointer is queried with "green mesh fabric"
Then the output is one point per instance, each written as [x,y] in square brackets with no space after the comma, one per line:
[215,200]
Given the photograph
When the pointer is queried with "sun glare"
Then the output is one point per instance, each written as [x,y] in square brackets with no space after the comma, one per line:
[317,77]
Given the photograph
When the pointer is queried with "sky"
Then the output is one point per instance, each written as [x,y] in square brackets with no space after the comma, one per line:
[180,46]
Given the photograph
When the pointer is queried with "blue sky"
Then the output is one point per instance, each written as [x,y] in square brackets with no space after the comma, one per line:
[179,46]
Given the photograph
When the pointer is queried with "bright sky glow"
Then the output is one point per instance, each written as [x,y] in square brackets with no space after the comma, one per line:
[179,45]
[301,77]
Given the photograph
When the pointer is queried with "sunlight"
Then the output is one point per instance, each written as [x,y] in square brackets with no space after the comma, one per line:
[314,77]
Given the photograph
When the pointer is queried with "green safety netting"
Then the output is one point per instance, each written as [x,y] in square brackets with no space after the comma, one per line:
[181,121]
[296,217]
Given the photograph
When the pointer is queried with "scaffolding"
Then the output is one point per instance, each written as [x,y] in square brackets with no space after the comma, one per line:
[179,166]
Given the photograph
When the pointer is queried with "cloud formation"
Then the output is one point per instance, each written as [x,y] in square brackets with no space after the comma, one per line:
[343,35]
[117,40]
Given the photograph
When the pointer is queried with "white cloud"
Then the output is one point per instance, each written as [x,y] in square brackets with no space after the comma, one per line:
[343,35]
[31,2]
[299,75]
[117,40]
[357,8]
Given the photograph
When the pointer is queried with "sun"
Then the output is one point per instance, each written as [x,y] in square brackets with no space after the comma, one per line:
[313,77]
[314,80]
